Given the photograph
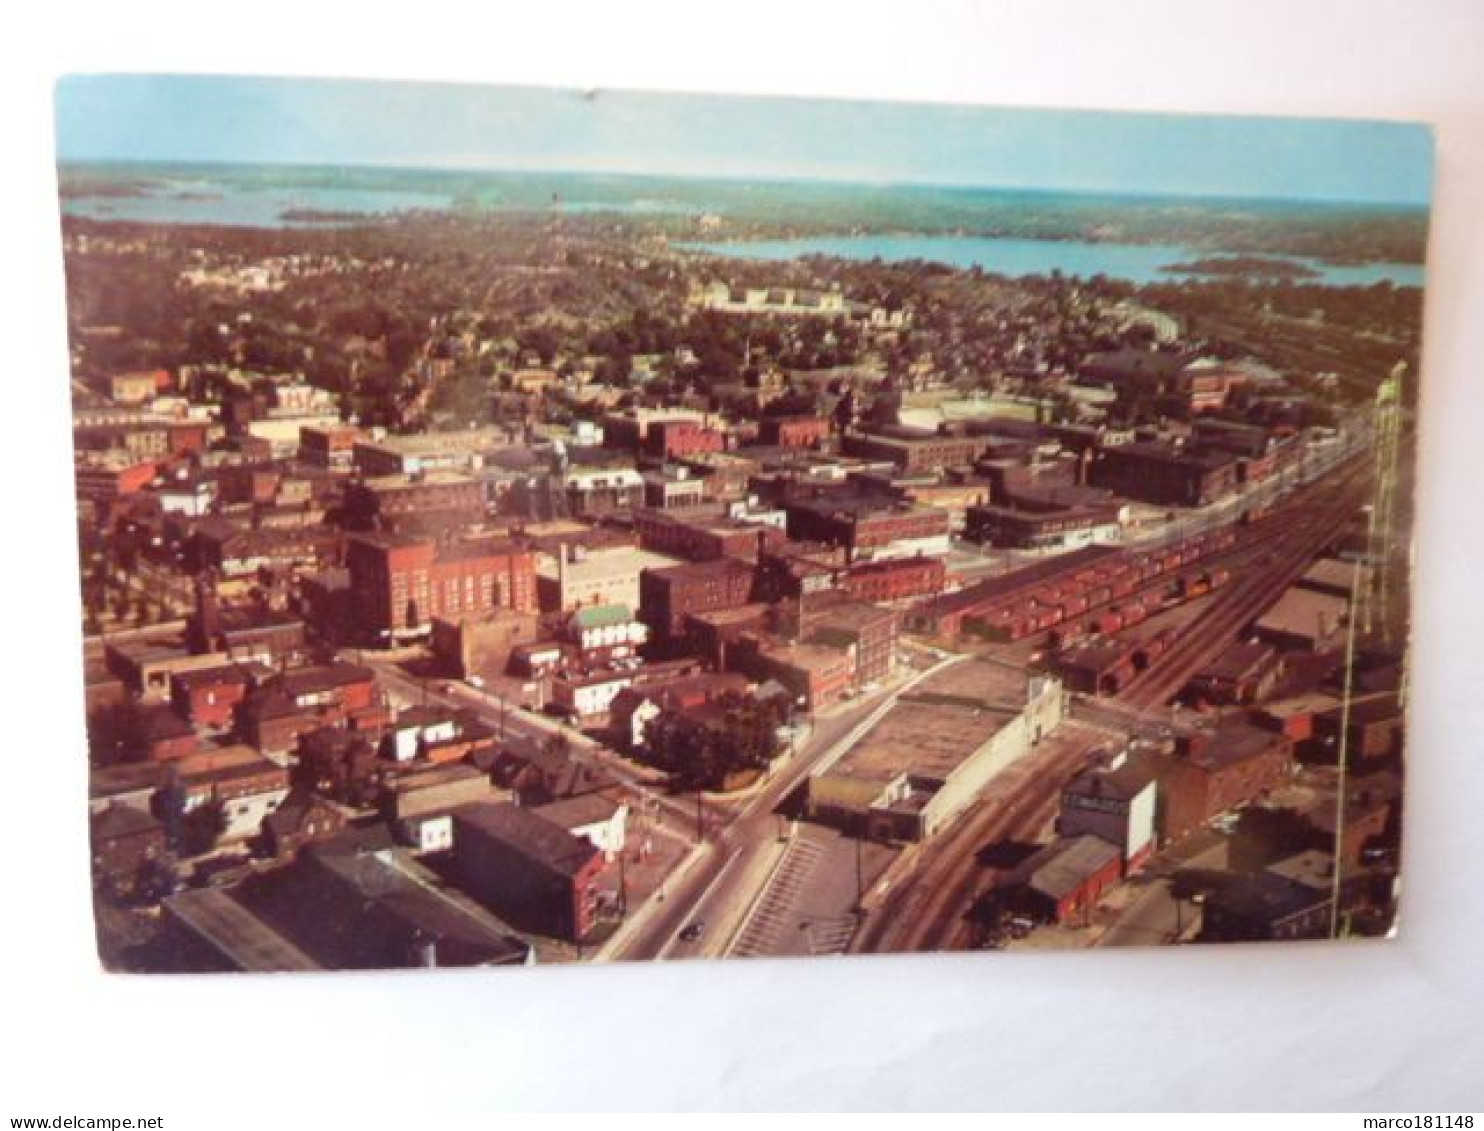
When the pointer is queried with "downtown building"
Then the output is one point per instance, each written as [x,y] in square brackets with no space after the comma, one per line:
[400,583]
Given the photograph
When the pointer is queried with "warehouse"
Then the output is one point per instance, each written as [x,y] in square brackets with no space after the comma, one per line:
[928,757]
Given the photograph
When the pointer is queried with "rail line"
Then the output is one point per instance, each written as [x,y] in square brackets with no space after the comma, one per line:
[926,910]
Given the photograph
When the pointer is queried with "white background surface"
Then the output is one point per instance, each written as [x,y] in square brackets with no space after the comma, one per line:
[1366,1027]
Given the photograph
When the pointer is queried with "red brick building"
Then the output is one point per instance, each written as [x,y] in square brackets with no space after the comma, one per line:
[794,431]
[528,870]
[1212,773]
[703,538]
[328,447]
[209,697]
[388,502]
[400,584]
[867,528]
[817,675]
[1063,881]
[894,579]
[677,439]
[916,452]
[869,631]
[301,700]
[668,596]
[1165,475]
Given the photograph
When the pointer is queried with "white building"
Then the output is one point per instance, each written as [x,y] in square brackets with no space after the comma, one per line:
[594,816]
[417,728]
[588,697]
[1116,804]
[607,628]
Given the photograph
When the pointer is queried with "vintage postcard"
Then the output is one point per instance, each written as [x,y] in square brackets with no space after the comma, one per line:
[529,526]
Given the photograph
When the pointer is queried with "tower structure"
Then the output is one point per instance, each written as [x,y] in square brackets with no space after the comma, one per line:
[1381,529]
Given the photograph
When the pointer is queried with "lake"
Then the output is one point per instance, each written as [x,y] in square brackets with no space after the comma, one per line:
[1134,263]
[251,206]
[245,202]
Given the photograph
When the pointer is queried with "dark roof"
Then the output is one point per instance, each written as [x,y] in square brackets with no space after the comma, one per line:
[304,681]
[294,810]
[1232,744]
[127,777]
[1238,661]
[1124,783]
[123,820]
[1118,364]
[158,723]
[224,673]
[573,812]
[528,833]
[1065,865]
[1265,897]
[420,716]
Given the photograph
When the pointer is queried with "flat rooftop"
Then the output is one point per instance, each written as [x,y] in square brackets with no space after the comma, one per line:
[609,564]
[939,725]
[237,933]
[1333,574]
[1304,613]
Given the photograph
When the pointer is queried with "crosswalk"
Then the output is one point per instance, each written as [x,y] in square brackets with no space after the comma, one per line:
[774,926]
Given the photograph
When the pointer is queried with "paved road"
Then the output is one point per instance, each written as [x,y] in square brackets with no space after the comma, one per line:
[737,861]
[1156,917]
[731,860]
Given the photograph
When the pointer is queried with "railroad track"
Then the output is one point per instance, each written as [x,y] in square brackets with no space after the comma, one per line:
[926,911]
[1290,550]
[929,904]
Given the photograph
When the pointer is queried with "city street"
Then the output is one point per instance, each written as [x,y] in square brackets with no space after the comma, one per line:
[734,867]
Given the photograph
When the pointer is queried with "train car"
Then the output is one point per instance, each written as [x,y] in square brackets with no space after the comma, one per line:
[1150,650]
[1194,585]
[1107,623]
[1219,577]
[1068,634]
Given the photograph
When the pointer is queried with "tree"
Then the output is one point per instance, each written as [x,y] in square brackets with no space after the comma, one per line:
[198,830]
[702,750]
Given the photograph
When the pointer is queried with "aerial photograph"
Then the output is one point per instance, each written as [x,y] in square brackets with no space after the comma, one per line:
[527,526]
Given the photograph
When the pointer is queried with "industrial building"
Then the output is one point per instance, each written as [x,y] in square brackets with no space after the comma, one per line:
[935,750]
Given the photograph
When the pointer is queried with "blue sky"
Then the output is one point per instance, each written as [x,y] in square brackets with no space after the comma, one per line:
[335,122]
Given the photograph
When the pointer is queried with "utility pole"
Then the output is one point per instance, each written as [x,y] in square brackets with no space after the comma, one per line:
[860,886]
[623,886]
[1340,799]
[700,818]
[1387,414]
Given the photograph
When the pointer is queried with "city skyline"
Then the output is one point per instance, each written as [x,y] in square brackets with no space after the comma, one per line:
[511,130]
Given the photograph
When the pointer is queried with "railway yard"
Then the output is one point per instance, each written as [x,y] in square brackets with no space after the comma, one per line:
[1189,604]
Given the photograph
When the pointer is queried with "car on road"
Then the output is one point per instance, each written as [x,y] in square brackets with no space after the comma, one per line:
[692,931]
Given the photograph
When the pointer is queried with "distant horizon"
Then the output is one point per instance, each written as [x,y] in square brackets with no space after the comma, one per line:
[470,129]
[64,163]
